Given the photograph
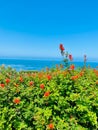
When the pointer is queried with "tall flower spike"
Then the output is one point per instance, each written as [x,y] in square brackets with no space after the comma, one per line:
[61,47]
[70,57]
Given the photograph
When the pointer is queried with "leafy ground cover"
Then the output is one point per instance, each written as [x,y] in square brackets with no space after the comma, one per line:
[55,99]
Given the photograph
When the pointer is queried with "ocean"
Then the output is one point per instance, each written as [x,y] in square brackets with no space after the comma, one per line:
[39,63]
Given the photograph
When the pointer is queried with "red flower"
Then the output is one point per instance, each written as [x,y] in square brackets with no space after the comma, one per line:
[61,47]
[42,86]
[70,57]
[31,83]
[16,100]
[49,77]
[2,85]
[72,67]
[51,126]
[46,94]
[81,73]
[21,79]
[7,80]
[75,77]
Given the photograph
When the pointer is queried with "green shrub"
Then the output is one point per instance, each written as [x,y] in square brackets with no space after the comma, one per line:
[56,99]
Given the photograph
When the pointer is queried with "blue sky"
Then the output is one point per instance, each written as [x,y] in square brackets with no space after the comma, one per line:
[35,28]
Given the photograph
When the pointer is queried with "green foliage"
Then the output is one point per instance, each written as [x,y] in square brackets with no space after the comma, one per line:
[71,101]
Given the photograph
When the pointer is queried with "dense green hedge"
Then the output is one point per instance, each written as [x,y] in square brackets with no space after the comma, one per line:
[55,99]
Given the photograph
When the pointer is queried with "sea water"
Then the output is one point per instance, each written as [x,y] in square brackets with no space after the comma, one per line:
[40,63]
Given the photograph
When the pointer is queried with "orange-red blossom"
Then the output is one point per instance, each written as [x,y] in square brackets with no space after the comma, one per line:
[51,126]
[7,80]
[46,94]
[42,86]
[74,77]
[72,67]
[2,85]
[49,77]
[21,79]
[31,83]
[16,100]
